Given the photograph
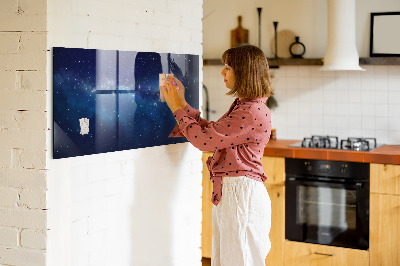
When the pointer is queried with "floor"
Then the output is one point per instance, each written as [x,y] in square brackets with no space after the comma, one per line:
[206,261]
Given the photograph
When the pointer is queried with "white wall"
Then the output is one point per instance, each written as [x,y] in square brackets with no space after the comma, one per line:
[305,18]
[311,102]
[136,207]
[23,132]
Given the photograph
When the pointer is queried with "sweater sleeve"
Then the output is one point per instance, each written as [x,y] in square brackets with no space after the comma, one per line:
[234,129]
[193,113]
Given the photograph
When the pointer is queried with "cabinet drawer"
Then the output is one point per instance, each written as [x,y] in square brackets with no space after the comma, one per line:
[305,254]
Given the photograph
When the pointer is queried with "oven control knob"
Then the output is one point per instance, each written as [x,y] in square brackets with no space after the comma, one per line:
[308,166]
[343,168]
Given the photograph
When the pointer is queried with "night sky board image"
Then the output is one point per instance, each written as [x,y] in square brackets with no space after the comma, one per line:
[109,100]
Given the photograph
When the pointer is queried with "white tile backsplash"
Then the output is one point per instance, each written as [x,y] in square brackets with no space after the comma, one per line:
[342,81]
[342,123]
[291,71]
[393,71]
[381,110]
[381,97]
[394,97]
[304,72]
[367,96]
[368,123]
[381,84]
[394,137]
[394,126]
[382,136]
[381,122]
[342,109]
[292,82]
[345,103]
[304,82]
[380,71]
[394,110]
[367,110]
[329,109]
[343,97]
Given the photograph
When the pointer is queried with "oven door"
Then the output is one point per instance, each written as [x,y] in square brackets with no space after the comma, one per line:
[327,213]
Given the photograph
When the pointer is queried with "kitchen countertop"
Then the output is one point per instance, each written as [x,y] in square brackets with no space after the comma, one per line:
[389,154]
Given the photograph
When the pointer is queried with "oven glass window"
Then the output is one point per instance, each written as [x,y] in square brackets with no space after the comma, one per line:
[326,207]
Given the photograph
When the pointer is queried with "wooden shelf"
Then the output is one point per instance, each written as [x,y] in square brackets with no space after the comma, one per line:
[273,63]
[380,61]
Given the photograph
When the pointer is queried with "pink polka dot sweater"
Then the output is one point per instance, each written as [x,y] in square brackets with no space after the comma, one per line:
[238,139]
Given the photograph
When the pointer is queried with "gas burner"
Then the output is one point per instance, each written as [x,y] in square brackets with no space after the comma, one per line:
[358,144]
[332,142]
[327,142]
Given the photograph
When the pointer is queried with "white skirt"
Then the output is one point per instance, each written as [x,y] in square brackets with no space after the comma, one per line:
[241,223]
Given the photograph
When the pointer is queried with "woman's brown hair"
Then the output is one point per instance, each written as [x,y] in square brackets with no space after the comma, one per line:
[250,66]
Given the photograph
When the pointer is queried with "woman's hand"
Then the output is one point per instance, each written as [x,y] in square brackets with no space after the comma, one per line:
[180,87]
[181,90]
[172,92]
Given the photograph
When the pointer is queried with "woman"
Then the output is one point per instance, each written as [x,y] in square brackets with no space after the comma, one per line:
[242,208]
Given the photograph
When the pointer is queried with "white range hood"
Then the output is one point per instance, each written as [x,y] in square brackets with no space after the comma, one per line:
[341,51]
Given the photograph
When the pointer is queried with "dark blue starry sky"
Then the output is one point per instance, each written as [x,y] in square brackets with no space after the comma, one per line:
[118,91]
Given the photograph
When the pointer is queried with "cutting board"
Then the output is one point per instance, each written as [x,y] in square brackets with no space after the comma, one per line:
[239,35]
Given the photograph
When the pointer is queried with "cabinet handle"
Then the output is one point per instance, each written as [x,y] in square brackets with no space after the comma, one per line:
[324,254]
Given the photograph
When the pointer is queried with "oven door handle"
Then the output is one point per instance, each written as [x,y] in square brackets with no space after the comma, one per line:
[357,185]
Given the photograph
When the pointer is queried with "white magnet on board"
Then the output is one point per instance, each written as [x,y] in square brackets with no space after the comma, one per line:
[84,123]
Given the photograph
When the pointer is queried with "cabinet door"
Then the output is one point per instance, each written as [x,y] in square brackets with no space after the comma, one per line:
[277,233]
[385,178]
[304,254]
[384,229]
[206,232]
[274,168]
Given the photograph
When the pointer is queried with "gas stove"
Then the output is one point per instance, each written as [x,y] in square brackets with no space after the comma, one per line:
[332,142]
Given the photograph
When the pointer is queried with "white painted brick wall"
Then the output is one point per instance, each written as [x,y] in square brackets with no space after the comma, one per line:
[23,218]
[22,256]
[33,198]
[104,197]
[137,207]
[34,239]
[9,237]
[23,178]
[23,16]
[8,197]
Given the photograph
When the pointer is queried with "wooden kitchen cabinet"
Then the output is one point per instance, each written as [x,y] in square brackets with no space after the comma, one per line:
[277,233]
[274,168]
[206,225]
[385,178]
[305,254]
[384,236]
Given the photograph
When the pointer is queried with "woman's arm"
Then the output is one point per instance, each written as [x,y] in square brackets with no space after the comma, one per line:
[238,128]
[174,93]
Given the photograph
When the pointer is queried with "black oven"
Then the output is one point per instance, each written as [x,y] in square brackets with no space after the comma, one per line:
[327,202]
